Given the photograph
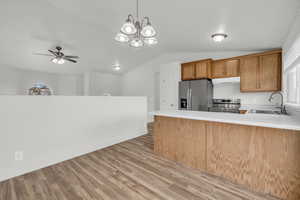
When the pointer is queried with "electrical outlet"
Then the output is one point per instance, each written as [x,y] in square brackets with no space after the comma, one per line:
[19,155]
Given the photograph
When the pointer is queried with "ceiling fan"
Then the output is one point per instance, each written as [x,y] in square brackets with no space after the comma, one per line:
[59,57]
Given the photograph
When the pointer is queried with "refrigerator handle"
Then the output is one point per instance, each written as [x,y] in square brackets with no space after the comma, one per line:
[190,98]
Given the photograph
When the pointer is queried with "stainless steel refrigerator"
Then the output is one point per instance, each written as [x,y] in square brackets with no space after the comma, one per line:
[195,95]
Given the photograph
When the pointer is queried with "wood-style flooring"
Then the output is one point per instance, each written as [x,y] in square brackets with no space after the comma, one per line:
[125,171]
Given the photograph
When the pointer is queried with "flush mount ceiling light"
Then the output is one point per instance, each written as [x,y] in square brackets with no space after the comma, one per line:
[137,32]
[117,67]
[219,37]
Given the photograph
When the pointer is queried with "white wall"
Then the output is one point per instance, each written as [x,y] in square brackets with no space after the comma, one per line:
[52,129]
[103,84]
[69,85]
[140,82]
[15,81]
[170,75]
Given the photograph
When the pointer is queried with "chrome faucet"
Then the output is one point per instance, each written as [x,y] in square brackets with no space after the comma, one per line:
[282,107]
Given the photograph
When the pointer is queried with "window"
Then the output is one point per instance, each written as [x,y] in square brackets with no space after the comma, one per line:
[293,85]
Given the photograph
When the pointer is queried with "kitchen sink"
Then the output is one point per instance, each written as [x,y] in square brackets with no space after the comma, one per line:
[270,112]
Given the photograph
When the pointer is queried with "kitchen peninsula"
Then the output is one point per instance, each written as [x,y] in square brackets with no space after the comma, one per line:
[260,152]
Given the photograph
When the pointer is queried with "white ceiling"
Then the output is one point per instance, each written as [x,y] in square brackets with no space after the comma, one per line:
[87,28]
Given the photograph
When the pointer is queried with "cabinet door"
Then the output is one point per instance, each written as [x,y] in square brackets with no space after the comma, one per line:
[192,146]
[186,145]
[249,74]
[203,69]
[270,72]
[218,69]
[188,71]
[232,68]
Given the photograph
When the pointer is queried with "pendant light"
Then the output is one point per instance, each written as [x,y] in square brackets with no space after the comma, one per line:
[137,32]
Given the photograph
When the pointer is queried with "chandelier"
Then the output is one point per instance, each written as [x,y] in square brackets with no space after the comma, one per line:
[136,32]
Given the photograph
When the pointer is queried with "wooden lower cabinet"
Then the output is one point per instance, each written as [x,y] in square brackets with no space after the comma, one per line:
[265,160]
[184,143]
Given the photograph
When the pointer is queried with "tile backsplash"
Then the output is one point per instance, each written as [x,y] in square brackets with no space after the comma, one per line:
[232,91]
[294,111]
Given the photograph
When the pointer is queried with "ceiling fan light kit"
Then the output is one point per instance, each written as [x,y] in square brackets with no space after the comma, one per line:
[59,61]
[59,57]
[136,32]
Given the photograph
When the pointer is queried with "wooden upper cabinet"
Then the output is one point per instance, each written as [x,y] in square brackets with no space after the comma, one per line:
[261,73]
[270,72]
[196,70]
[218,69]
[226,68]
[203,69]
[249,73]
[188,71]
[232,67]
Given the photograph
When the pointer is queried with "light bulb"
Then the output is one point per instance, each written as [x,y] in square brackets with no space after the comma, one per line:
[219,37]
[54,60]
[151,41]
[60,61]
[148,31]
[136,43]
[128,28]
[120,37]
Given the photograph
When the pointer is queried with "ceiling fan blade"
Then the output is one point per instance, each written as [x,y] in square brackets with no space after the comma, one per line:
[76,57]
[53,52]
[71,60]
[42,54]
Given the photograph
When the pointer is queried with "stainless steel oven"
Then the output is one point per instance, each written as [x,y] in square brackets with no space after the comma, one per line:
[226,105]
